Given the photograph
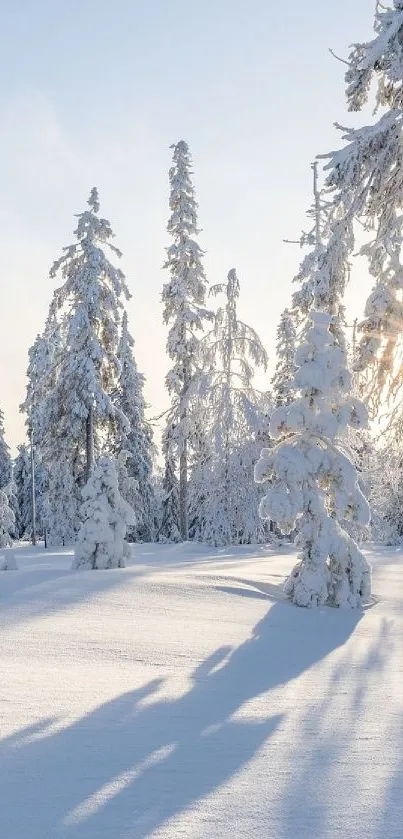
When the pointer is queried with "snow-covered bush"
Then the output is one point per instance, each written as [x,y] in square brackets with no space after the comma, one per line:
[8,562]
[105,517]
[313,484]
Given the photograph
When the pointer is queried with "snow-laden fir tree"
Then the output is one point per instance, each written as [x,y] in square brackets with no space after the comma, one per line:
[283,379]
[43,365]
[7,521]
[185,313]
[87,307]
[223,495]
[325,269]
[5,458]
[10,491]
[365,175]
[22,481]
[386,493]
[91,302]
[312,483]
[135,439]
[169,529]
[62,502]
[105,517]
[74,368]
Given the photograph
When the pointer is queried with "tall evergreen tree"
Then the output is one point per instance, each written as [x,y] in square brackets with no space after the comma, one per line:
[283,379]
[136,436]
[364,177]
[312,484]
[43,365]
[90,299]
[22,479]
[74,369]
[325,269]
[5,458]
[224,500]
[10,490]
[7,522]
[184,311]
[170,514]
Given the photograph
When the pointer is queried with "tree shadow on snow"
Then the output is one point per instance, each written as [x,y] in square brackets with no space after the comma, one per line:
[128,767]
[330,758]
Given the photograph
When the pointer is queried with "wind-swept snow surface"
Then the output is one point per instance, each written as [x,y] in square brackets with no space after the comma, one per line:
[182,698]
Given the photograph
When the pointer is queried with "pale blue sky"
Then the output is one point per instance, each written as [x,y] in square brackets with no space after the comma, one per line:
[94,93]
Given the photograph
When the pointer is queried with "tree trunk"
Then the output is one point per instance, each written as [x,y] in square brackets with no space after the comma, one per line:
[89,443]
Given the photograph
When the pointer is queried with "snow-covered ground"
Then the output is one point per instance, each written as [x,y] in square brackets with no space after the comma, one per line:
[182,697]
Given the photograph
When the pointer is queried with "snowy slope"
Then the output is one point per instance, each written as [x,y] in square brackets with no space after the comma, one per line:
[182,697]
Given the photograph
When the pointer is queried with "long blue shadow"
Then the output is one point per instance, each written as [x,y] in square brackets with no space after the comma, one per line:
[161,757]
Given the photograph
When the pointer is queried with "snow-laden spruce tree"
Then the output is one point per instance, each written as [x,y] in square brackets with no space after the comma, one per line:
[11,492]
[5,458]
[7,521]
[136,439]
[365,176]
[386,493]
[73,369]
[62,503]
[43,364]
[185,313]
[283,379]
[325,269]
[22,481]
[79,407]
[105,517]
[312,483]
[224,499]
[169,529]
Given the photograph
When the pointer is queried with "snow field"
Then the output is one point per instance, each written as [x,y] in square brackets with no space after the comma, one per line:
[182,696]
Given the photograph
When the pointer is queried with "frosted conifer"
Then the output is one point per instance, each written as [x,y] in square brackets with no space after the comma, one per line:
[170,516]
[135,438]
[5,458]
[7,521]
[313,484]
[224,499]
[11,492]
[90,303]
[62,503]
[283,379]
[185,313]
[364,176]
[324,271]
[22,481]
